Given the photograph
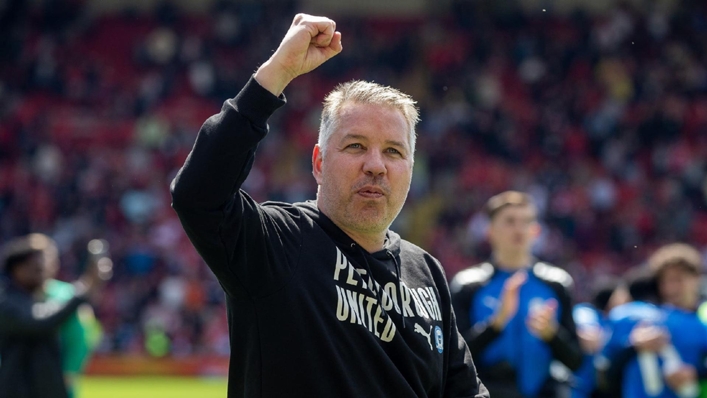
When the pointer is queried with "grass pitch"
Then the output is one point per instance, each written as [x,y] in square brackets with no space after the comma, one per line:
[151,387]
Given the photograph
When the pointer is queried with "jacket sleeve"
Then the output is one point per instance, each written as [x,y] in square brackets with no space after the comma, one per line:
[36,320]
[477,334]
[565,344]
[233,234]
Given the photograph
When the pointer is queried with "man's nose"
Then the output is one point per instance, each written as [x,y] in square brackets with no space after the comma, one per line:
[374,164]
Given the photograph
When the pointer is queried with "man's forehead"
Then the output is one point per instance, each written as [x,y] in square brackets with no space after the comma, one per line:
[32,260]
[357,119]
[354,109]
[512,210]
[677,268]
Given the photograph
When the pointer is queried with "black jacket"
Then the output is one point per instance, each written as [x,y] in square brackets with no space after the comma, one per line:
[310,312]
[30,358]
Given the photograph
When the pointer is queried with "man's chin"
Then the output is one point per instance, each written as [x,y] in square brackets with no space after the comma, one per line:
[519,248]
[369,209]
[370,220]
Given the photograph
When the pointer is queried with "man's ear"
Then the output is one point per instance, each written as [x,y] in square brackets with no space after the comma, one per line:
[317,164]
[537,229]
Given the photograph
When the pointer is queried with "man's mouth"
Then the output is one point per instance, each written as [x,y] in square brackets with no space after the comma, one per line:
[372,192]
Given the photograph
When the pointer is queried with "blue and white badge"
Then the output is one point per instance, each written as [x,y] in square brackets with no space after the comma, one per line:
[439,339]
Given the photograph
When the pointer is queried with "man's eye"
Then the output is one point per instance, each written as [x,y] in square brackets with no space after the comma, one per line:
[354,146]
[393,150]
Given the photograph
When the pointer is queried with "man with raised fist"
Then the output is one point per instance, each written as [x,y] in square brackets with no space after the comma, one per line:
[323,299]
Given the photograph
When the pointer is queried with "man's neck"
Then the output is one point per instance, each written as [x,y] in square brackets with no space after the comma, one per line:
[370,243]
[511,261]
[686,306]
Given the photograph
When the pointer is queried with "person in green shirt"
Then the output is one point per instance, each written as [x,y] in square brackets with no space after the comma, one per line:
[80,334]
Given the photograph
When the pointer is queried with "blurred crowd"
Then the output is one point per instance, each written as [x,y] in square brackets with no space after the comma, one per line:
[601,118]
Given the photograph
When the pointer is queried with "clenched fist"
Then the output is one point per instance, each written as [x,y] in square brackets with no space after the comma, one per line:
[309,42]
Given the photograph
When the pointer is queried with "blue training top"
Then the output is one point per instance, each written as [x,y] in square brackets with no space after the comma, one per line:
[585,378]
[476,297]
[687,334]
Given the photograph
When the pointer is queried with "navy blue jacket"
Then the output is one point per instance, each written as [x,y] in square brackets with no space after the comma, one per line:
[514,362]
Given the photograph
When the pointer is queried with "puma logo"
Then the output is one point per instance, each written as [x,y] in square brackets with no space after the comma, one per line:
[423,332]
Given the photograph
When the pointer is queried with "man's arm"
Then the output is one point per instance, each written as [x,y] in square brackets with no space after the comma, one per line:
[216,216]
[35,320]
[22,317]
[478,335]
[564,343]
[225,225]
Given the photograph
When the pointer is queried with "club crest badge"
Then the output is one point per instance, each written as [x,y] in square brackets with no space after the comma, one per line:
[439,339]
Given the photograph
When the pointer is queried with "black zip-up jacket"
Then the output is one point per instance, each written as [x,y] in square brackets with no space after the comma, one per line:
[310,312]
[30,356]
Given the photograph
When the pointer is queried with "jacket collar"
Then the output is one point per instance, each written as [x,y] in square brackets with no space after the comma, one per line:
[344,241]
[530,267]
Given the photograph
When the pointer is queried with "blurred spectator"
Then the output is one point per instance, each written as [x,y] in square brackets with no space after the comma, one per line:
[45,336]
[659,350]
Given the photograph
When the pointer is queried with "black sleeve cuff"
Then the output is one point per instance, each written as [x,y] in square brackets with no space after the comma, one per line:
[480,336]
[566,349]
[256,103]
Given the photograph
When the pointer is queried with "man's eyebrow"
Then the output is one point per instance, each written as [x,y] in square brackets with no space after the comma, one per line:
[354,137]
[396,143]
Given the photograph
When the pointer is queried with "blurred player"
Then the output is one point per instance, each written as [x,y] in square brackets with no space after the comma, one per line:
[514,311]
[31,356]
[658,351]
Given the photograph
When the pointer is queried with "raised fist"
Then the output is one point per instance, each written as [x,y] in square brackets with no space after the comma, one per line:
[309,42]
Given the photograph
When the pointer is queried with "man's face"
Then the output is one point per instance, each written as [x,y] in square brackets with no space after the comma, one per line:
[364,177]
[31,274]
[514,229]
[679,286]
[51,262]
